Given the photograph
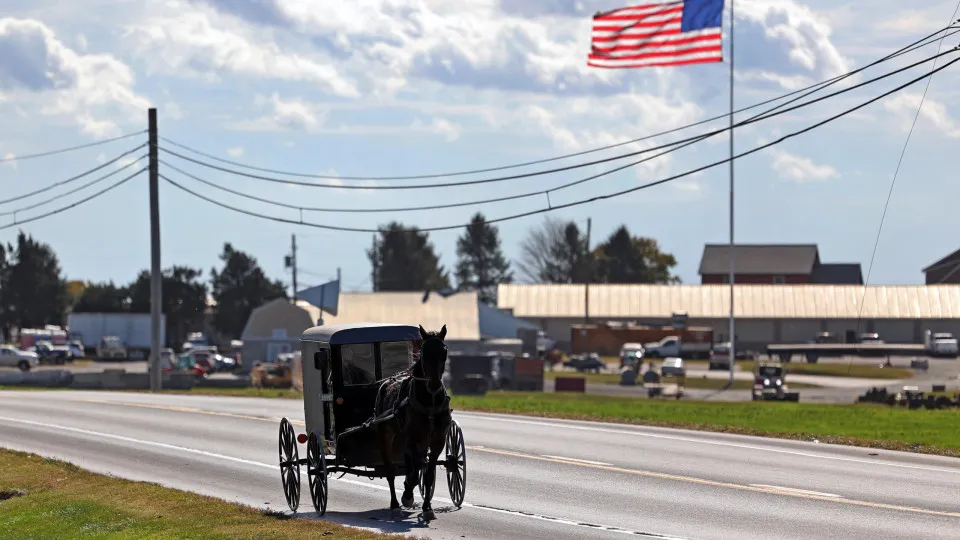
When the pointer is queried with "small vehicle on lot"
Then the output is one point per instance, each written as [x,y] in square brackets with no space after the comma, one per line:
[585,362]
[770,383]
[362,382]
[720,356]
[76,349]
[272,375]
[111,348]
[52,354]
[11,356]
[673,366]
[183,363]
[631,354]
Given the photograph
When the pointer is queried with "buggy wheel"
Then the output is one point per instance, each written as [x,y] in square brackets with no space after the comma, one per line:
[317,473]
[425,489]
[289,465]
[456,464]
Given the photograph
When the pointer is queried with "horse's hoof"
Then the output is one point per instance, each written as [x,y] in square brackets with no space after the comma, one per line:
[428,515]
[407,501]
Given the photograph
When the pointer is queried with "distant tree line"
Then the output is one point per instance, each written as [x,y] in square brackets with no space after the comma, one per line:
[34,291]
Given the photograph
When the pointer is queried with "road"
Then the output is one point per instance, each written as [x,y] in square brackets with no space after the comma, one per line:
[527,478]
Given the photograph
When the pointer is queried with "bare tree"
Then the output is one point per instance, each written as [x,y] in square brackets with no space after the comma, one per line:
[554,252]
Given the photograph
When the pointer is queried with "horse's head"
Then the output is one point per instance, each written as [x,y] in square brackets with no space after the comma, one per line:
[433,357]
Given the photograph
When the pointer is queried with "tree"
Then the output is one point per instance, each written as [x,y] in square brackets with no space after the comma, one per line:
[624,258]
[33,292]
[556,252]
[404,260]
[184,300]
[103,298]
[480,261]
[238,289]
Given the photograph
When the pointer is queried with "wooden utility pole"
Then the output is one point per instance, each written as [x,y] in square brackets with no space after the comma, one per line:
[588,269]
[156,278]
[293,263]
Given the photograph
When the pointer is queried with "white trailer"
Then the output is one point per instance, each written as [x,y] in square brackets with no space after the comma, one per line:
[133,329]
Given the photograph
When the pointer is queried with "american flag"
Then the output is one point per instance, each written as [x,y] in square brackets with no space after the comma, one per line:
[672,33]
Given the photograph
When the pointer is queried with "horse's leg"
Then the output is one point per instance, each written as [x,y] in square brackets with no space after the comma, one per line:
[411,458]
[386,453]
[430,473]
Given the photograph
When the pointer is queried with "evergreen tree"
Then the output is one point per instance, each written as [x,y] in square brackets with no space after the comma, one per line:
[239,288]
[404,260]
[481,265]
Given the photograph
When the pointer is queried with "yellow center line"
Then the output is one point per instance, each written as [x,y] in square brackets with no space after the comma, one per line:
[564,461]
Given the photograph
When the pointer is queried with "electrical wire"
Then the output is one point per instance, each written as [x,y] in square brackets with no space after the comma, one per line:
[74,190]
[762,116]
[71,149]
[582,201]
[697,138]
[539,161]
[75,204]
[893,183]
[74,178]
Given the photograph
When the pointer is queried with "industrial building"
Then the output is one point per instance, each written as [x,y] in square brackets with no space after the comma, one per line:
[774,264]
[764,313]
[472,326]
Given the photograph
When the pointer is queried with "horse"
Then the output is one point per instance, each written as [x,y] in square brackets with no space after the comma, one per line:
[421,409]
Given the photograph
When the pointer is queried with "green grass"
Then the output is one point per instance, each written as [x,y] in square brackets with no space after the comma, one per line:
[53,499]
[877,426]
[693,382]
[863,371]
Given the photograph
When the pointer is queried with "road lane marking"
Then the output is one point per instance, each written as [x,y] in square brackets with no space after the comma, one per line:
[497,417]
[796,490]
[361,483]
[703,481]
[609,468]
[570,459]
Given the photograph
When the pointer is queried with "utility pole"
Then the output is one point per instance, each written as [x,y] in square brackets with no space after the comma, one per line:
[156,278]
[586,279]
[376,264]
[293,263]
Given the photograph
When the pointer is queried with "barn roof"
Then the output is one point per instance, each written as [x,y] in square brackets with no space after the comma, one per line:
[765,259]
[751,301]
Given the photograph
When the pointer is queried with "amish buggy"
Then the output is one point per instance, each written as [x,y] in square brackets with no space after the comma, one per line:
[375,406]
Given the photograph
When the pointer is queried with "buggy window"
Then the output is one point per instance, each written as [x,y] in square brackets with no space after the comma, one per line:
[395,356]
[358,364]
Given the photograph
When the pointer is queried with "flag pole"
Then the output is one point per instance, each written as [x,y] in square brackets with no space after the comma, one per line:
[733,327]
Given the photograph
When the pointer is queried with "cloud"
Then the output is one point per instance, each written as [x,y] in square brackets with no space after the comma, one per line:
[447,129]
[905,104]
[172,111]
[235,152]
[10,160]
[202,43]
[94,90]
[800,169]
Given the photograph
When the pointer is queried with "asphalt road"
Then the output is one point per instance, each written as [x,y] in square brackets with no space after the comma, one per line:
[526,478]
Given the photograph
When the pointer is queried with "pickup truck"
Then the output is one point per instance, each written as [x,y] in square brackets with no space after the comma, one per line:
[13,357]
[674,346]
[941,344]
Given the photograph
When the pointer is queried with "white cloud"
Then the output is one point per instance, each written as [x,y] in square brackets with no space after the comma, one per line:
[184,39]
[904,105]
[172,111]
[94,90]
[10,160]
[236,151]
[800,169]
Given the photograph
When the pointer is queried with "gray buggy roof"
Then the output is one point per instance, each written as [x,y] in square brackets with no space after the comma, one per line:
[342,334]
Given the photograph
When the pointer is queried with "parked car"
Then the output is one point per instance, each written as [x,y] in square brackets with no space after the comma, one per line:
[53,354]
[111,348]
[673,366]
[11,356]
[586,362]
[76,349]
[720,356]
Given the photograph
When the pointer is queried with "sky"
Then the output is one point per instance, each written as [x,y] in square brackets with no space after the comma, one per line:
[415,87]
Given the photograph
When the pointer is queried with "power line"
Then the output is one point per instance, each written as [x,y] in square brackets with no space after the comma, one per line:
[893,181]
[676,146]
[535,162]
[75,204]
[696,138]
[74,178]
[582,201]
[71,149]
[74,190]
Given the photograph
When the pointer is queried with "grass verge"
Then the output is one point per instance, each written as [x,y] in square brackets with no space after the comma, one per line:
[841,370]
[875,426]
[45,498]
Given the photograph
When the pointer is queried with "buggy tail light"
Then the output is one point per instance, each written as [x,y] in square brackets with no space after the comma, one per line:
[302,438]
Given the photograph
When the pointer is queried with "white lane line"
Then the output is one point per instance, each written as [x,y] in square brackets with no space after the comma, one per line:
[506,419]
[368,485]
[577,460]
[796,490]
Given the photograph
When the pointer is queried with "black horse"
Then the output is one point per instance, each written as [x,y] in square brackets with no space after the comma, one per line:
[422,416]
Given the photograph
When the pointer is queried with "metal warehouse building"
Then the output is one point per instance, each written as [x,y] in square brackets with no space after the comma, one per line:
[765,313]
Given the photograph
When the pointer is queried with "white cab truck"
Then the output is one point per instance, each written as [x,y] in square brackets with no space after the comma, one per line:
[11,356]
[674,346]
[941,344]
